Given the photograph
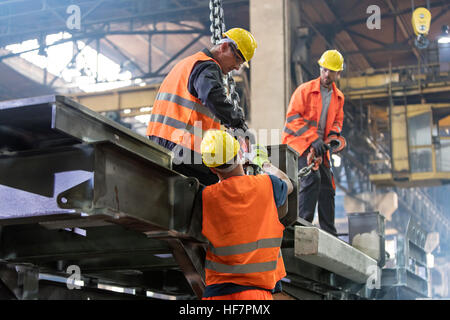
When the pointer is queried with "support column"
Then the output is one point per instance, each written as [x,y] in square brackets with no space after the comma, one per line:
[270,67]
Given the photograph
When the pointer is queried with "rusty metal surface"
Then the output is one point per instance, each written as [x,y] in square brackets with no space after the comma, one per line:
[286,159]
[49,121]
[64,167]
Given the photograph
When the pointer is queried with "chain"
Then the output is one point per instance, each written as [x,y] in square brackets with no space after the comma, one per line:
[217,20]
[217,29]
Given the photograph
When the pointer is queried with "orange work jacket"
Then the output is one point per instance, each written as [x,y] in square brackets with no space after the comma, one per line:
[240,220]
[304,112]
[177,115]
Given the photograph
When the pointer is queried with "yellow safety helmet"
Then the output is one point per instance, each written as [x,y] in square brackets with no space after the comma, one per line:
[332,60]
[244,40]
[218,147]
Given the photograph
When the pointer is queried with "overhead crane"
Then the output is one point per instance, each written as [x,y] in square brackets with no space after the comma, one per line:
[403,139]
[416,132]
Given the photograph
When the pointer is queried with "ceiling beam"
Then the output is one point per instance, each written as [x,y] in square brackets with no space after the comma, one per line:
[28,30]
[390,48]
[124,55]
[175,56]
[339,23]
[366,37]
[403,28]
[393,14]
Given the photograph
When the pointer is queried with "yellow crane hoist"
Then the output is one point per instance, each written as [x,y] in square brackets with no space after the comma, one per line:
[421,19]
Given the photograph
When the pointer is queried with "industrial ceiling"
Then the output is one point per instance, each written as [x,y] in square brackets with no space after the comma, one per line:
[148,37]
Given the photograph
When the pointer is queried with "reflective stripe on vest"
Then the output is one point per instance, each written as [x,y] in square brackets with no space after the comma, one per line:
[240,220]
[177,124]
[241,268]
[312,123]
[300,132]
[164,96]
[177,115]
[246,247]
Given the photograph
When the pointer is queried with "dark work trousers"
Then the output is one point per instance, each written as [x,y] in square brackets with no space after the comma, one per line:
[187,162]
[317,187]
[190,164]
[199,171]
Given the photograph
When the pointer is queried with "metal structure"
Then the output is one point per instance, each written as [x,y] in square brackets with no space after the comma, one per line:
[97,196]
[387,103]
[385,80]
[375,95]
[103,22]
[406,277]
[119,201]
[101,208]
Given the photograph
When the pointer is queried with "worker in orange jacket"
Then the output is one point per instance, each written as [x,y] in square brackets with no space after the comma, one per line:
[193,99]
[316,111]
[241,221]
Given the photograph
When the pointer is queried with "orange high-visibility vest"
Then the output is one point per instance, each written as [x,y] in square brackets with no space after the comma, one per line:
[303,115]
[177,115]
[240,220]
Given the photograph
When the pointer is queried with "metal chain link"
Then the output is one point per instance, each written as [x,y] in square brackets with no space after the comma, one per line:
[217,20]
[217,29]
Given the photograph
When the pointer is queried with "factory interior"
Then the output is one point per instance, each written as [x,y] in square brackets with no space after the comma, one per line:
[90,208]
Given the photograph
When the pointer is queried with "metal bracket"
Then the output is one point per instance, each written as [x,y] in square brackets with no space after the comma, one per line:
[22,280]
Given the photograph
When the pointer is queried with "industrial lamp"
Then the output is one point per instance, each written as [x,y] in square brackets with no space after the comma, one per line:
[445,36]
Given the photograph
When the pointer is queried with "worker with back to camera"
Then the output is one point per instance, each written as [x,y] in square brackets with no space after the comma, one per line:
[193,99]
[315,112]
[241,222]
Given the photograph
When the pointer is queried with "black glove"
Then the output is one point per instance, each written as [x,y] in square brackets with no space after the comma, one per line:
[319,147]
[243,126]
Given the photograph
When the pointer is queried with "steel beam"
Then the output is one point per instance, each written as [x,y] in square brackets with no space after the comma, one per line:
[20,279]
[113,179]
[62,121]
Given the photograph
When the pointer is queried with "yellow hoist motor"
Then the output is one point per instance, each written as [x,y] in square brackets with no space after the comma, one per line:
[421,19]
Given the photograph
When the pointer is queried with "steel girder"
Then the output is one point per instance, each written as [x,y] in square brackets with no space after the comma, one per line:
[64,167]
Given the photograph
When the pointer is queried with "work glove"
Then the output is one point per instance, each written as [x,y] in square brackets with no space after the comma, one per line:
[319,146]
[258,155]
[243,126]
[245,137]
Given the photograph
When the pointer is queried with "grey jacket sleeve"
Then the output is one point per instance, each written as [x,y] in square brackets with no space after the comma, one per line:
[205,83]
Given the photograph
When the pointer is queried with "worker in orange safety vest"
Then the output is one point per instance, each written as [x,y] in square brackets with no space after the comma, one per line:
[193,99]
[316,111]
[241,221]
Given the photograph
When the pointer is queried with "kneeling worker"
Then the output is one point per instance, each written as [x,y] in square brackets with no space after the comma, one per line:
[241,222]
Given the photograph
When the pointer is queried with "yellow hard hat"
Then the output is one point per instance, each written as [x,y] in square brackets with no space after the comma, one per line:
[218,147]
[245,42]
[332,60]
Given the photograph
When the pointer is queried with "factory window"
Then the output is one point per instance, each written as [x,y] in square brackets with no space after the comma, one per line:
[443,156]
[420,159]
[443,149]
[420,142]
[420,129]
[90,71]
